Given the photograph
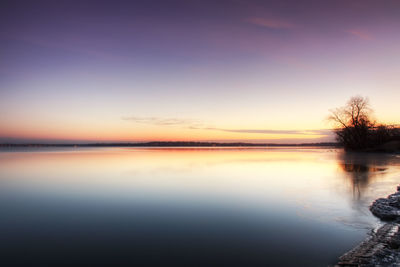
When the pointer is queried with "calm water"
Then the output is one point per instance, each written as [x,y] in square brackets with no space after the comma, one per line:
[187,206]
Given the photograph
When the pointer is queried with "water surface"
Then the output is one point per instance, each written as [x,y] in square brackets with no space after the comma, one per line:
[187,206]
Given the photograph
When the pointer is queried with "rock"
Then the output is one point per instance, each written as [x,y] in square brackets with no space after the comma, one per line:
[384,209]
[382,247]
[376,250]
[387,208]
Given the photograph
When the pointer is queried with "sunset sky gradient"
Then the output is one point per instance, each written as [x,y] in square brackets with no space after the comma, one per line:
[256,71]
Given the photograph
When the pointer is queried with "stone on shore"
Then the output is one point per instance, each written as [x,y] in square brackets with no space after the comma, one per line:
[379,249]
[387,208]
[382,247]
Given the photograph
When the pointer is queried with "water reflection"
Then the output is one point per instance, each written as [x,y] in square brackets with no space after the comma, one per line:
[361,168]
[236,207]
[367,176]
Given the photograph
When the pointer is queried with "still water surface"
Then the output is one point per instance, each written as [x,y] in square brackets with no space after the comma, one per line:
[187,206]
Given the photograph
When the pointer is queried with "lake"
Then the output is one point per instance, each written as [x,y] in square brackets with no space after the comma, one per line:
[187,206]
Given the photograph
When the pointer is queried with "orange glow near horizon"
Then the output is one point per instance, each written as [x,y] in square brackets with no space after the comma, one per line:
[154,134]
[238,172]
[246,76]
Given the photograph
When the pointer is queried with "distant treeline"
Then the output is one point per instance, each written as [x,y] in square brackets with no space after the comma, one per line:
[174,144]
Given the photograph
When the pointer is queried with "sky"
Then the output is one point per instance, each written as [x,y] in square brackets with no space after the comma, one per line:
[207,70]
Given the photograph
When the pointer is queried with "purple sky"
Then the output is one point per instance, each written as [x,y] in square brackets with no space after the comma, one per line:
[193,70]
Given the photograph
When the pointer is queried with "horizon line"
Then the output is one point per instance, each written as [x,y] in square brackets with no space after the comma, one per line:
[164,144]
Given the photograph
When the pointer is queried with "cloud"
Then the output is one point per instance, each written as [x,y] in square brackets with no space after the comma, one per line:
[162,121]
[271,23]
[360,34]
[269,131]
[199,125]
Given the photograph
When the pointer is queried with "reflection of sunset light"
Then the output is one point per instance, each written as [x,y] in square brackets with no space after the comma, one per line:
[221,170]
[307,178]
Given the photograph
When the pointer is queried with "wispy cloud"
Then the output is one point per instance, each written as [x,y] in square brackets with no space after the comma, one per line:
[360,34]
[199,125]
[163,121]
[271,23]
[268,131]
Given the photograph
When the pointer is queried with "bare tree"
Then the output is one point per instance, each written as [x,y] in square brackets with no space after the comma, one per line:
[353,122]
[356,112]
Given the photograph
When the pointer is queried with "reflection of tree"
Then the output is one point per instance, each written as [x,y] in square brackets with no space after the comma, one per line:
[359,176]
[360,168]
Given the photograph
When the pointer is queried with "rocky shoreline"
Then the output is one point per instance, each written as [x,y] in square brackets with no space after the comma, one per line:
[382,247]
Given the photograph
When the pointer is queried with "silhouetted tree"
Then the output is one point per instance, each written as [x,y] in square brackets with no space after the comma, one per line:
[356,130]
[353,123]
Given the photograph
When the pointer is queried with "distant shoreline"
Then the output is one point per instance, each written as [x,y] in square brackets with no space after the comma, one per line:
[172,144]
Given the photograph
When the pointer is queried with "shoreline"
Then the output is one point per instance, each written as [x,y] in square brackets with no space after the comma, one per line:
[382,246]
[171,144]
